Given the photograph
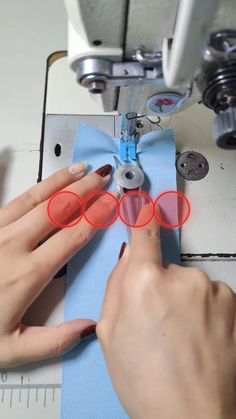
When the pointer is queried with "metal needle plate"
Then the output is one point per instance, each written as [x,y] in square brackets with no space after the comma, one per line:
[192,165]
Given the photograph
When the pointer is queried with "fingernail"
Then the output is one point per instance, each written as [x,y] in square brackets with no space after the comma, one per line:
[104,170]
[122,249]
[61,273]
[88,332]
[77,168]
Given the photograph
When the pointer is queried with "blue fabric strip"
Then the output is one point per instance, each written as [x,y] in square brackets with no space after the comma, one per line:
[87,392]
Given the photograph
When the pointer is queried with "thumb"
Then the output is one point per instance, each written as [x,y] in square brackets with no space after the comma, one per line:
[37,343]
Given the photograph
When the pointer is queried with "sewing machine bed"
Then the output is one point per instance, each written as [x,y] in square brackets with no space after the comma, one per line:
[208,240]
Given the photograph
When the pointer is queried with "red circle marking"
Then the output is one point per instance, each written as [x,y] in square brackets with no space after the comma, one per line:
[162,203]
[52,205]
[134,212]
[91,199]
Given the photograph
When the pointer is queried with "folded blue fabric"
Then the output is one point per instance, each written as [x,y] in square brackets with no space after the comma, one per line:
[87,391]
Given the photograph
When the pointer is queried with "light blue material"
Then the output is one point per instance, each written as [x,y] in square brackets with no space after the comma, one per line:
[87,392]
[128,143]
[123,150]
[132,148]
[128,148]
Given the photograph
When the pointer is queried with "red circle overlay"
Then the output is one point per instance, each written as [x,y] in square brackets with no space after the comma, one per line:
[130,206]
[63,206]
[101,209]
[172,209]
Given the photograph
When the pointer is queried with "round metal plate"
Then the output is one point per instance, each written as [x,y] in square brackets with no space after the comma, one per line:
[192,165]
[129,176]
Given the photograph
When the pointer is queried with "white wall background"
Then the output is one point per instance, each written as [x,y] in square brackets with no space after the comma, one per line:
[30,30]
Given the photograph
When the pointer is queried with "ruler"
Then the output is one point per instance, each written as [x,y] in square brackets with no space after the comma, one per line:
[33,391]
[38,393]
[23,399]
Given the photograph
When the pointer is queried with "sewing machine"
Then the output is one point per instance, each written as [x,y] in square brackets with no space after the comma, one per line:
[157,57]
[126,62]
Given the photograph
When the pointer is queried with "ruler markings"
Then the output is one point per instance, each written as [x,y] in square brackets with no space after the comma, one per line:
[45,397]
[11,396]
[3,390]
[4,376]
[28,397]
[28,386]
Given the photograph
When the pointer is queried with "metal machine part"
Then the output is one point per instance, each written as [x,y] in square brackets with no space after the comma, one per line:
[137,53]
[98,75]
[192,165]
[117,74]
[129,176]
[129,137]
[129,127]
[224,128]
[116,50]
[217,81]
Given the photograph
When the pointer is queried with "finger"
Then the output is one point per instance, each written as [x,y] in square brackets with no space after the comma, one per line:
[38,224]
[113,294]
[37,343]
[40,192]
[56,251]
[146,242]
[222,307]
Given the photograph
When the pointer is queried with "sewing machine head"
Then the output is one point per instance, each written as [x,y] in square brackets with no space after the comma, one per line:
[157,57]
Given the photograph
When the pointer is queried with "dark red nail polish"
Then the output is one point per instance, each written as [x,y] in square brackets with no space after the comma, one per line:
[122,249]
[89,331]
[61,273]
[104,170]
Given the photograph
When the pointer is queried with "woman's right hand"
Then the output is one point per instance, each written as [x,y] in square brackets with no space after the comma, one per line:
[168,335]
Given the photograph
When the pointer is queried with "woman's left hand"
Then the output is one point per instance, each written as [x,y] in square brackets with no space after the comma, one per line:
[27,267]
